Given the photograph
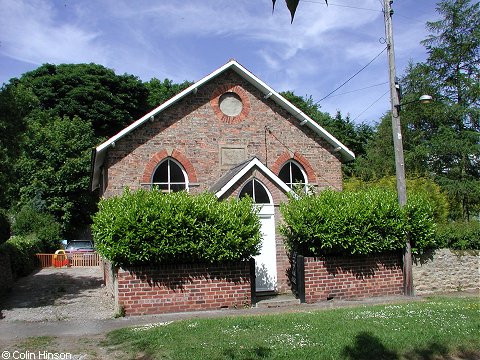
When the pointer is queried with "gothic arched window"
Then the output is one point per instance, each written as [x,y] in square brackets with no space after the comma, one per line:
[170,176]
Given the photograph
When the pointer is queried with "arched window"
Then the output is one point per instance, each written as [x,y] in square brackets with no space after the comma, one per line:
[170,176]
[293,174]
[256,191]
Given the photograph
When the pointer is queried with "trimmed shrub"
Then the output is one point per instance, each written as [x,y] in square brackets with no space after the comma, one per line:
[419,222]
[151,227]
[459,235]
[21,251]
[415,186]
[4,226]
[362,222]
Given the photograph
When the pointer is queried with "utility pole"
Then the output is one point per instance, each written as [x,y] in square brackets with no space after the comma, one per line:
[397,144]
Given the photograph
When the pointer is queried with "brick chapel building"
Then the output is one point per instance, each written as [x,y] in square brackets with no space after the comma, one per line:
[231,134]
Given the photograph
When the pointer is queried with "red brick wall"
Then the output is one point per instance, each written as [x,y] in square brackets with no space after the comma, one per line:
[193,128]
[352,277]
[183,287]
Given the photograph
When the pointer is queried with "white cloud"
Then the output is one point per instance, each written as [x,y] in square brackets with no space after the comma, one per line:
[32,32]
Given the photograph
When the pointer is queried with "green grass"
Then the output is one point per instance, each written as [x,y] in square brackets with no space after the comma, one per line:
[38,343]
[431,329]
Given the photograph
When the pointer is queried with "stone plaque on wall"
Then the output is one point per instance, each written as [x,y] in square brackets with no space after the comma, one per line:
[230,156]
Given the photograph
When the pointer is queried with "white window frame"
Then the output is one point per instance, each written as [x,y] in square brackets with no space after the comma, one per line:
[291,184]
[263,208]
[170,183]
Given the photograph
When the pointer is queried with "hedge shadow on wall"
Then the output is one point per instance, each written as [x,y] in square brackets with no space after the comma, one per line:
[370,265]
[176,277]
[424,258]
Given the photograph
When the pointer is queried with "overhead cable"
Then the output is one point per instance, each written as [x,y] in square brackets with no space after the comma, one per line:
[340,5]
[364,88]
[351,77]
[369,106]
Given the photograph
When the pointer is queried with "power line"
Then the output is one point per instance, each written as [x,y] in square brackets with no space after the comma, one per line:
[369,106]
[351,77]
[361,8]
[410,18]
[364,88]
[340,5]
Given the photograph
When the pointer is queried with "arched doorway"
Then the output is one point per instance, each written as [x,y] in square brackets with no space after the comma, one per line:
[266,261]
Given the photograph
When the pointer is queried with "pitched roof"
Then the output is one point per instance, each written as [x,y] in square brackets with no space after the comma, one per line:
[237,172]
[99,153]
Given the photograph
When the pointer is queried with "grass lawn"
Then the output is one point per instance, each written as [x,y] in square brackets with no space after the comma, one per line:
[433,329]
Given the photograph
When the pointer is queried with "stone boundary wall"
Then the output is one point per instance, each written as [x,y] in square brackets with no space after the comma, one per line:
[180,287]
[348,277]
[446,270]
[109,276]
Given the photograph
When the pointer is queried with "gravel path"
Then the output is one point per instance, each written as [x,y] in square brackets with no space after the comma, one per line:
[52,294]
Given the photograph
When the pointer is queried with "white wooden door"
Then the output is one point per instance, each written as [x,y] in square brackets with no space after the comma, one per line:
[266,261]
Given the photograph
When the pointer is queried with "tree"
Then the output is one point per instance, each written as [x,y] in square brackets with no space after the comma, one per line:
[50,118]
[416,186]
[161,91]
[15,103]
[54,168]
[378,158]
[5,227]
[92,92]
[443,139]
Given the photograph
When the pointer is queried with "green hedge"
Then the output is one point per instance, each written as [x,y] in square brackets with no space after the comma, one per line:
[415,186]
[151,227]
[357,222]
[21,251]
[459,235]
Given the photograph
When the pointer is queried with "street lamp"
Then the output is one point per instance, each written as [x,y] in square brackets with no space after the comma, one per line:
[424,99]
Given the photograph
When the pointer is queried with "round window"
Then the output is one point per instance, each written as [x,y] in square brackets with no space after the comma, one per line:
[230,104]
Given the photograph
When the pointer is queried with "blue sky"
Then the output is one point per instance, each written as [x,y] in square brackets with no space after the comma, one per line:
[188,39]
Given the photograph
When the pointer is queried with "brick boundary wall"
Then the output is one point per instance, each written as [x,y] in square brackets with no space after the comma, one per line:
[348,277]
[180,287]
[445,270]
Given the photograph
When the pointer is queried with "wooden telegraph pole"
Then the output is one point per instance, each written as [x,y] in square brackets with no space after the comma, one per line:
[397,144]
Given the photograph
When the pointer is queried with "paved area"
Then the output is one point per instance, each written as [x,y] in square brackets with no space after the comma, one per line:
[55,294]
